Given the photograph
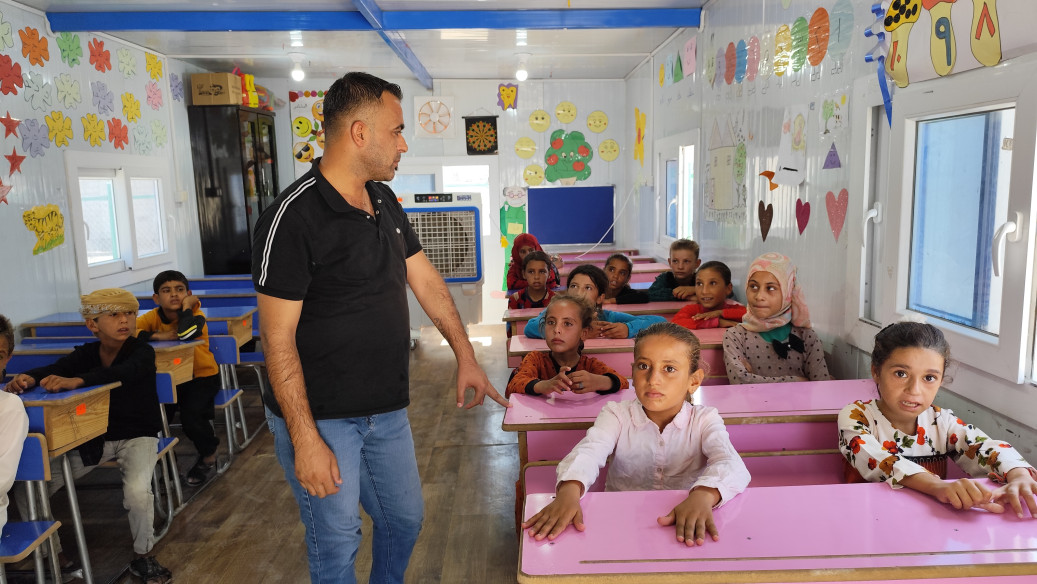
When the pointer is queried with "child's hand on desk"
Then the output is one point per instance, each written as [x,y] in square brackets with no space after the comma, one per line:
[556,384]
[586,382]
[694,516]
[684,293]
[552,520]
[20,384]
[708,315]
[163,336]
[611,330]
[965,494]
[1021,485]
[56,383]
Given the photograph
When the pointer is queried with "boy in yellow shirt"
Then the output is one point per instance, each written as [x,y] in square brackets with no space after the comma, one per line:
[179,317]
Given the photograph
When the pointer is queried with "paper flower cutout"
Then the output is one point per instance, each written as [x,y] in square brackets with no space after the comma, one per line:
[158,132]
[10,76]
[141,140]
[34,138]
[130,107]
[127,64]
[154,66]
[176,87]
[99,57]
[70,47]
[59,128]
[93,130]
[6,33]
[38,92]
[104,100]
[68,90]
[118,134]
[154,95]
[35,48]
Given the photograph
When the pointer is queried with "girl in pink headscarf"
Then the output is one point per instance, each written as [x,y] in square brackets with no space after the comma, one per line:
[774,343]
[525,243]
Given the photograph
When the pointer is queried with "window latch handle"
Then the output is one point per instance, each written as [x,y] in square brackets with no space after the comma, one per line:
[1010,230]
[873,214]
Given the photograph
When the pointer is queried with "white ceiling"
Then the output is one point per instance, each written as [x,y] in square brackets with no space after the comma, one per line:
[470,53]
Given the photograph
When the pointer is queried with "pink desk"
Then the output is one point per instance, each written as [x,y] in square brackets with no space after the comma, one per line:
[516,318]
[642,272]
[817,533]
[597,253]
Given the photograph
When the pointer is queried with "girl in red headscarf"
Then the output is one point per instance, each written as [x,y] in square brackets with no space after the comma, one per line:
[525,243]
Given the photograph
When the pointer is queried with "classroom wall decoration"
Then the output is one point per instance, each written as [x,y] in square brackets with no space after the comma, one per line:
[539,120]
[4,190]
[565,112]
[307,113]
[47,222]
[640,120]
[597,121]
[512,222]
[434,117]
[792,152]
[725,193]
[507,96]
[836,207]
[533,175]
[568,158]
[480,134]
[608,150]
[525,147]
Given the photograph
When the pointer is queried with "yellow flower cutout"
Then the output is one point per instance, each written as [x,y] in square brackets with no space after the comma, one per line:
[130,107]
[59,128]
[93,130]
[154,66]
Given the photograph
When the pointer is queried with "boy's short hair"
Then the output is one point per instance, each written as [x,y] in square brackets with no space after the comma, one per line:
[687,244]
[7,332]
[170,276]
[536,256]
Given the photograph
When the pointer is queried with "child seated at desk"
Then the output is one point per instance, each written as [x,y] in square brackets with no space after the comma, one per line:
[679,282]
[902,439]
[564,367]
[660,440]
[524,244]
[774,343]
[713,307]
[178,316]
[536,268]
[588,282]
[14,424]
[618,269]
[134,421]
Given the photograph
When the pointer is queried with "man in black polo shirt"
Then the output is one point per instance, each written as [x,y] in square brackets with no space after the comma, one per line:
[331,261]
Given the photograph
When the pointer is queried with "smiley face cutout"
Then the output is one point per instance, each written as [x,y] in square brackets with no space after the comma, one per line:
[608,150]
[318,110]
[525,147]
[597,121]
[533,175]
[301,127]
[539,120]
[565,112]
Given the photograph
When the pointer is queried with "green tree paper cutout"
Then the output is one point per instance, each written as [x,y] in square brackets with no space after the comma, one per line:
[568,157]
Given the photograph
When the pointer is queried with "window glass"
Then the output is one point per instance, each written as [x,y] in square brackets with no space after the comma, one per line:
[687,196]
[97,196]
[672,185]
[409,184]
[471,179]
[960,198]
[147,216]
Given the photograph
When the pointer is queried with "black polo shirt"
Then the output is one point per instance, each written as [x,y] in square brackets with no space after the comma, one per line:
[349,269]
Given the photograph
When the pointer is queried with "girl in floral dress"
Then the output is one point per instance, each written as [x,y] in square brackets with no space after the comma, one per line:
[902,439]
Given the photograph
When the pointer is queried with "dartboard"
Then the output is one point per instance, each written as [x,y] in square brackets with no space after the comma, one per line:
[482,136]
[434,116]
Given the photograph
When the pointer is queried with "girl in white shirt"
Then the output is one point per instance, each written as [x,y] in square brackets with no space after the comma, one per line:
[660,440]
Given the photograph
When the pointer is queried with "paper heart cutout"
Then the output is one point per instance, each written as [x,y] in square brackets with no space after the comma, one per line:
[765,215]
[837,210]
[802,214]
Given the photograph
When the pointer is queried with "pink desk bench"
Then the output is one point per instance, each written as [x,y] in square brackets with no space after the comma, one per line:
[815,533]
[642,272]
[516,318]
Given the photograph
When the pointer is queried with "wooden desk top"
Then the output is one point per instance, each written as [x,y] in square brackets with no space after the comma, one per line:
[70,436]
[764,403]
[38,396]
[74,318]
[782,534]
[65,348]
[520,344]
[514,314]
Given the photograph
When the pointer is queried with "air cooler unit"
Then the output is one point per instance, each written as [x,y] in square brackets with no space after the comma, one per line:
[448,225]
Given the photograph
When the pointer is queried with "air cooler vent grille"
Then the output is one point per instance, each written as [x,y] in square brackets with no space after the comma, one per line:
[448,239]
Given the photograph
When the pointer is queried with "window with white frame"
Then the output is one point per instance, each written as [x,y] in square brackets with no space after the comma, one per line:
[675,186]
[959,221]
[119,205]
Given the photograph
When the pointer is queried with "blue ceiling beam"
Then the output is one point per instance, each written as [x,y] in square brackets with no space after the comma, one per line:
[203,21]
[374,17]
[542,19]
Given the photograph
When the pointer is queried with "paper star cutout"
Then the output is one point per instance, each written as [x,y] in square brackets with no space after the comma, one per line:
[4,189]
[15,160]
[10,125]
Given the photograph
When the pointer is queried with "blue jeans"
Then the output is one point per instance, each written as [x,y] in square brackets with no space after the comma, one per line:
[379,471]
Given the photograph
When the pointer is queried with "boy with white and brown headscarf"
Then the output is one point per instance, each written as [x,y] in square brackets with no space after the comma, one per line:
[134,420]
